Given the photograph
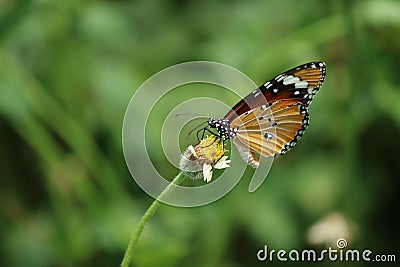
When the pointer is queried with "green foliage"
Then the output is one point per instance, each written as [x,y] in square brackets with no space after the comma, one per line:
[69,68]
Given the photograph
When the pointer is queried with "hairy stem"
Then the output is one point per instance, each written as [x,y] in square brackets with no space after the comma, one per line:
[126,261]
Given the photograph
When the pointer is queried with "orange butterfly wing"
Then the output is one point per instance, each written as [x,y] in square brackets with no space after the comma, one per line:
[274,128]
[300,83]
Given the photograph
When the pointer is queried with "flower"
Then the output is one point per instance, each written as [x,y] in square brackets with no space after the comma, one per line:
[199,161]
[222,163]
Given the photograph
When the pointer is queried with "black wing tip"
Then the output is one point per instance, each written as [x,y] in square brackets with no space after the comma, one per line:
[313,65]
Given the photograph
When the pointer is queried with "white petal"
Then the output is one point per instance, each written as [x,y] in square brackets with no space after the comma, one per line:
[207,172]
[222,163]
[223,158]
[191,149]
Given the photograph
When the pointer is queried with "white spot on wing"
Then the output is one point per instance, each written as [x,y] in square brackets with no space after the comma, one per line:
[268,136]
[301,84]
[279,78]
[291,79]
[268,85]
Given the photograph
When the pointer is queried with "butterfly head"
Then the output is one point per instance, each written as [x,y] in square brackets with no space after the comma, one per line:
[223,128]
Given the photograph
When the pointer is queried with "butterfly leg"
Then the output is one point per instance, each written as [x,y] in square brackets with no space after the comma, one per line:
[204,132]
[223,145]
[202,135]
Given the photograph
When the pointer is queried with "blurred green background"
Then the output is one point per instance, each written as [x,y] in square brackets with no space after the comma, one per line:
[69,68]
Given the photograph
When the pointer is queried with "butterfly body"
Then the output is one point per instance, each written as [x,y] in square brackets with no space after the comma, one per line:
[271,119]
[223,128]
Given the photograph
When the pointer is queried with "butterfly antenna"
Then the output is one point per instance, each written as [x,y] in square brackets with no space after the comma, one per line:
[191,131]
[189,114]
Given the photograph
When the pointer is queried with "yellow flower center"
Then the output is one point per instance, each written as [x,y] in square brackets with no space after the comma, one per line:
[211,149]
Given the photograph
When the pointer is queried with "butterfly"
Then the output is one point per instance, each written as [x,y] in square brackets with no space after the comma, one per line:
[271,119]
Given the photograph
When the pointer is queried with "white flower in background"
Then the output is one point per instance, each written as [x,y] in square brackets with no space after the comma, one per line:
[329,229]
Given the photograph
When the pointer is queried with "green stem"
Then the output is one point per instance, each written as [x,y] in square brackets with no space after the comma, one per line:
[150,211]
